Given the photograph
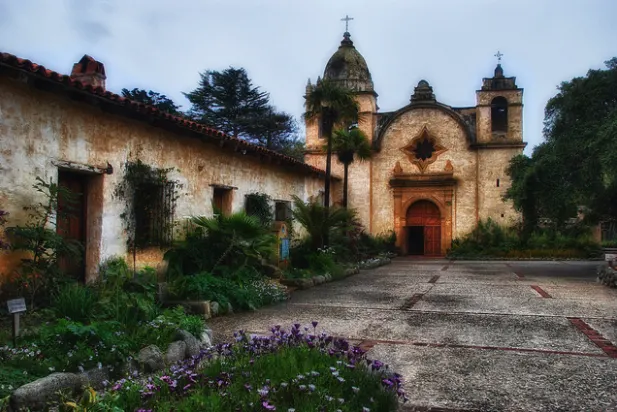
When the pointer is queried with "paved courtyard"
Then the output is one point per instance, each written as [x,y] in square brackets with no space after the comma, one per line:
[471,336]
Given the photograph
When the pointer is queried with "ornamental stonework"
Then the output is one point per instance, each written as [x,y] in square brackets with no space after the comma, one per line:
[423,150]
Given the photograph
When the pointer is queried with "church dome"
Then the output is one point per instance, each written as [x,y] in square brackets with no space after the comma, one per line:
[348,68]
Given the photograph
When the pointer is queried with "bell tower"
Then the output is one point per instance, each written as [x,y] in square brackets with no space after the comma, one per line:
[499,109]
[347,68]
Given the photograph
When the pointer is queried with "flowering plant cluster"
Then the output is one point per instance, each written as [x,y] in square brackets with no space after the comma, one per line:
[295,370]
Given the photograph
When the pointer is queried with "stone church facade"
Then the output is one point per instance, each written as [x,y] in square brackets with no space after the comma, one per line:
[436,170]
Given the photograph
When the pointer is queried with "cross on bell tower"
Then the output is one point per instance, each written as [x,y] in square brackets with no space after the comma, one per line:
[499,55]
[347,19]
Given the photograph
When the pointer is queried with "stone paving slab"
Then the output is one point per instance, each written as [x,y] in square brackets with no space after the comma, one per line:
[470,278]
[501,380]
[584,292]
[376,298]
[490,290]
[542,333]
[515,306]
[606,327]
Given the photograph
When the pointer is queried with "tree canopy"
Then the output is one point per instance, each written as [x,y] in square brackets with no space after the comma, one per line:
[576,167]
[228,100]
[160,101]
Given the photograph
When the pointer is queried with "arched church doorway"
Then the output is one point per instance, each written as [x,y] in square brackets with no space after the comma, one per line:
[423,229]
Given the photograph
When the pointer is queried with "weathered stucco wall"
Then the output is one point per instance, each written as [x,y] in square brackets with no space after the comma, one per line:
[492,165]
[447,133]
[38,128]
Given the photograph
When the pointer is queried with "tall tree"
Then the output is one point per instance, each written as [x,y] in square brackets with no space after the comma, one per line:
[330,104]
[575,166]
[228,101]
[160,101]
[271,129]
[349,144]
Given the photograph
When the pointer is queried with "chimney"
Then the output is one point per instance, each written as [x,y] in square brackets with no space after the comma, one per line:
[89,72]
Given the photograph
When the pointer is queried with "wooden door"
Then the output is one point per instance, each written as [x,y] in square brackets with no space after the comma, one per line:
[72,220]
[432,240]
[426,214]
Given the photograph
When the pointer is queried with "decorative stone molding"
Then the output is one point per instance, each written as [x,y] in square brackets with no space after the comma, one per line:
[423,150]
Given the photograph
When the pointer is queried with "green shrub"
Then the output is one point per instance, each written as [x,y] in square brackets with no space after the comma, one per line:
[221,244]
[489,239]
[295,273]
[609,243]
[76,302]
[245,289]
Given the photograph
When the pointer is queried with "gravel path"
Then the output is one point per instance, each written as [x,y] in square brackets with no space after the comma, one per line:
[471,336]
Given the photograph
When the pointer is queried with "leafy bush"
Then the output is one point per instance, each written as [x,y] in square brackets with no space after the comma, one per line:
[220,245]
[39,274]
[609,243]
[295,273]
[258,205]
[125,298]
[245,290]
[491,240]
[289,370]
[311,216]
[103,324]
[75,302]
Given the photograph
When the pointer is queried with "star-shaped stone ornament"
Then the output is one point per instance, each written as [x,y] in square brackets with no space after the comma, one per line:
[423,150]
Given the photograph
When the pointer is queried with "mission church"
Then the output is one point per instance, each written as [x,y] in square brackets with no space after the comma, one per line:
[436,170]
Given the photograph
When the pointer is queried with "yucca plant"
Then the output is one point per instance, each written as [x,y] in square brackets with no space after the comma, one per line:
[318,224]
[230,241]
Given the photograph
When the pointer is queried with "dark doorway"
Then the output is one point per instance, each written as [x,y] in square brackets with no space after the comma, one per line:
[415,240]
[72,220]
[424,229]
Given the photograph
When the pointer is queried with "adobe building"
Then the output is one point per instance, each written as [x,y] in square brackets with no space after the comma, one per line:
[72,131]
[436,170]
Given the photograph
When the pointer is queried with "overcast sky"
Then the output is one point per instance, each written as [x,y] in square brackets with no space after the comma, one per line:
[163,44]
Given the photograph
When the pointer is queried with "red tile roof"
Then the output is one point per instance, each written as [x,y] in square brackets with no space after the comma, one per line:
[33,69]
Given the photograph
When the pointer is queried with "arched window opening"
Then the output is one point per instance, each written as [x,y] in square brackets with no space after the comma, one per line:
[499,114]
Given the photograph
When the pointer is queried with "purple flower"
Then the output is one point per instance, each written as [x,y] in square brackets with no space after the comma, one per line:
[314,323]
[268,406]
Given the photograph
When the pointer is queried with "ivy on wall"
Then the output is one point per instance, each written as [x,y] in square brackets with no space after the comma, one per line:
[149,197]
[259,205]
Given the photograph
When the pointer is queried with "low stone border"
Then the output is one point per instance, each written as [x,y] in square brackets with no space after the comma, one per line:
[307,283]
[375,263]
[607,275]
[35,395]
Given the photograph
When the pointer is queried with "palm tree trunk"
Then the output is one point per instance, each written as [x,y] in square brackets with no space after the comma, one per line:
[346,169]
[327,129]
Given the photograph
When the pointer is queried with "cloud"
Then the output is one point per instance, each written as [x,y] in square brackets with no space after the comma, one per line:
[163,45]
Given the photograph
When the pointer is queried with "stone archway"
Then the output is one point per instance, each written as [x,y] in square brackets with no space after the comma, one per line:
[405,197]
[423,229]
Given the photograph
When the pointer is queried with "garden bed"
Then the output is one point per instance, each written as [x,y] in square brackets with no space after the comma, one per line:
[295,370]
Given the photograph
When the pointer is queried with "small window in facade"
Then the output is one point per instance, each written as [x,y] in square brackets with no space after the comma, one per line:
[499,114]
[497,182]
[221,200]
[282,210]
[154,206]
[502,215]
